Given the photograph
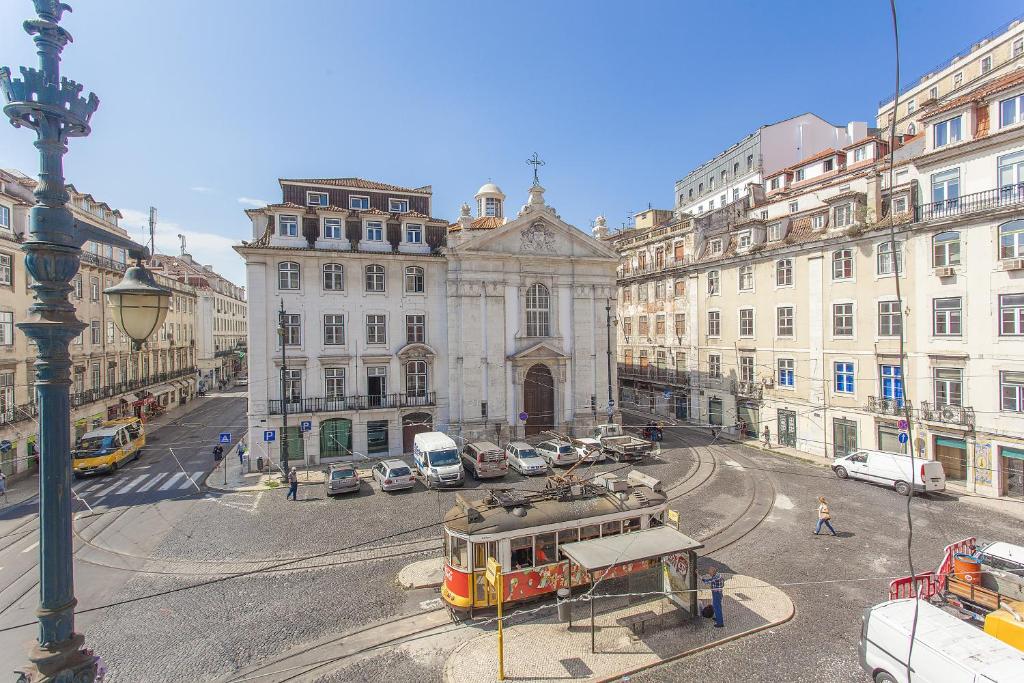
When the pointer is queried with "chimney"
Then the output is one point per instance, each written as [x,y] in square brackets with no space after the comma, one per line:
[874,199]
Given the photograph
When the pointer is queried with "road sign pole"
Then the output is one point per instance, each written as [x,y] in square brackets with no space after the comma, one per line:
[501,640]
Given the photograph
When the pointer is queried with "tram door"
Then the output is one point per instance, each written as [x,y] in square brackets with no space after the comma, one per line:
[481,551]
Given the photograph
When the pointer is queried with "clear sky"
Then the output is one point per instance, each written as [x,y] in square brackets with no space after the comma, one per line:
[205,103]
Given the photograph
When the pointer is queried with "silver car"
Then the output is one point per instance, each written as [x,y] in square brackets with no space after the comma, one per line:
[341,479]
[393,475]
[524,459]
[558,453]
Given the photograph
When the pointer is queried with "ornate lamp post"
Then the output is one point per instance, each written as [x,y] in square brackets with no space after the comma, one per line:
[54,108]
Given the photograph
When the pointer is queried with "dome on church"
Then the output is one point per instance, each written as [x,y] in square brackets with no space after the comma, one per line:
[490,188]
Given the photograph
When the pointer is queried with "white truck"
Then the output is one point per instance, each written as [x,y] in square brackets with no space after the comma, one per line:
[616,443]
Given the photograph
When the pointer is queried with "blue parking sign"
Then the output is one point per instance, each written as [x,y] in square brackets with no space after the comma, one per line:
[225,437]
[269,435]
[306,426]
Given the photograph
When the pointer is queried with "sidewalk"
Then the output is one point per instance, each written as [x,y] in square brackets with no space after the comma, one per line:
[750,605]
[250,479]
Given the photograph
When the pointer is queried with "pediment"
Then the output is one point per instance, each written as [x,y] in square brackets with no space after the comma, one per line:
[539,351]
[538,233]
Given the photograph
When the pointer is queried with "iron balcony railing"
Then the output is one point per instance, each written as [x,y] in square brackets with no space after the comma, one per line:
[13,414]
[81,398]
[752,390]
[1007,195]
[321,404]
[652,373]
[888,406]
[103,262]
[948,414]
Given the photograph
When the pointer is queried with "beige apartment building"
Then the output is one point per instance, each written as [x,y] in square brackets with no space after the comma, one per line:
[109,379]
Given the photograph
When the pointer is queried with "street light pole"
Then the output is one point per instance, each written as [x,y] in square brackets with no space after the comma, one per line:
[608,330]
[284,388]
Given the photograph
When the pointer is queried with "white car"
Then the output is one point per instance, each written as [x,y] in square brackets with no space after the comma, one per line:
[524,459]
[559,453]
[893,470]
[392,475]
[589,450]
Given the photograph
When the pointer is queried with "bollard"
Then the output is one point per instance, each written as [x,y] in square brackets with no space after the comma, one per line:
[564,605]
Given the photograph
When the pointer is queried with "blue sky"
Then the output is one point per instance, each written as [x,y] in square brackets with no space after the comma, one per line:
[204,104]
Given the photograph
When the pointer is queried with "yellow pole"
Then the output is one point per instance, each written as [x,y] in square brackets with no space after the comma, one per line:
[501,642]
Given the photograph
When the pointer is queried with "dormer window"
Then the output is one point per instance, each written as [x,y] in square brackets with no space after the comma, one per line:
[794,207]
[818,222]
[947,132]
[374,231]
[828,165]
[775,232]
[358,202]
[844,215]
[398,205]
[798,176]
[715,247]
[775,183]
[744,240]
[288,226]
[860,154]
[316,199]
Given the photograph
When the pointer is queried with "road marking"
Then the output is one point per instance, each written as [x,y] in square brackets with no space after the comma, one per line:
[783,502]
[152,482]
[31,547]
[734,464]
[92,488]
[109,489]
[133,483]
[170,482]
[192,481]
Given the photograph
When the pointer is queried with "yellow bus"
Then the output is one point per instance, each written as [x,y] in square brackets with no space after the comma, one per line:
[109,446]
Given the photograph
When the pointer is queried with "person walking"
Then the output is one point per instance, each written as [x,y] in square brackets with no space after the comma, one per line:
[824,517]
[767,435]
[717,583]
[3,485]
[293,484]
[241,454]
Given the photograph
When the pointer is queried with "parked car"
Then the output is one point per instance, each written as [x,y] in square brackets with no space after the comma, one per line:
[484,460]
[437,459]
[393,475]
[242,382]
[892,469]
[557,452]
[524,459]
[341,479]
[589,449]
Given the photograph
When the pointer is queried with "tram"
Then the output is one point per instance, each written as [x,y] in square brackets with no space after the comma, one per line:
[523,531]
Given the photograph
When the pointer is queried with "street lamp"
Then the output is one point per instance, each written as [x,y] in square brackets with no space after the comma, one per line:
[54,108]
[138,304]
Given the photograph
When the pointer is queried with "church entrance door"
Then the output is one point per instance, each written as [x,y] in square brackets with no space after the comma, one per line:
[539,399]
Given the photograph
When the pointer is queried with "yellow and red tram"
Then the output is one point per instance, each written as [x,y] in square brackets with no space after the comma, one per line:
[524,531]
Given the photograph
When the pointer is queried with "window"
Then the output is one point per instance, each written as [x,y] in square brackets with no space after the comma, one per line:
[110,331]
[414,280]
[6,328]
[744,239]
[713,282]
[711,204]
[958,79]
[416,378]
[784,272]
[293,385]
[1011,391]
[680,360]
[775,232]
[659,325]
[537,311]
[358,203]
[317,199]
[844,215]
[680,324]
[643,327]
[986,64]
[794,207]
[725,176]
[899,205]
[374,231]
[5,217]
[1011,173]
[642,291]
[784,321]
[627,295]
[746,368]
[678,252]
[842,320]
[334,383]
[911,105]
[860,154]
[492,206]
[1011,315]
[94,289]
[746,322]
[787,374]
[334,277]
[714,323]
[78,287]
[933,93]
[774,185]
[948,385]
[714,366]
[415,329]
[641,260]
[334,329]
[398,205]
[844,377]
[332,228]
[722,199]
[288,226]
[946,317]
[7,270]
[735,193]
[1011,239]
[96,334]
[946,132]
[799,175]
[828,165]
[679,287]
[627,328]
[750,161]
[1018,48]
[746,278]
[890,323]
[892,382]
[413,233]
[659,290]
[887,265]
[374,278]
[292,329]
[1011,110]
[376,329]
[946,187]
[715,247]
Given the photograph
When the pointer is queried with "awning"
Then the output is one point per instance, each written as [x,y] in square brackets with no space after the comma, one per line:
[160,389]
[1015,453]
[951,443]
[601,553]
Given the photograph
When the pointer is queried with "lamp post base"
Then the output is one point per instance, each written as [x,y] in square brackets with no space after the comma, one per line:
[66,662]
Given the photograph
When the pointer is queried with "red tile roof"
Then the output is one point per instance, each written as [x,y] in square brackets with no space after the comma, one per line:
[355,183]
[994,86]
[283,205]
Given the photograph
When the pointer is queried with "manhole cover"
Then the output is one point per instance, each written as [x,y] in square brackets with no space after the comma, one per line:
[576,667]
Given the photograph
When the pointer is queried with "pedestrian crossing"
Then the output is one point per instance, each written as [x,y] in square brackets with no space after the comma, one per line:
[94,489]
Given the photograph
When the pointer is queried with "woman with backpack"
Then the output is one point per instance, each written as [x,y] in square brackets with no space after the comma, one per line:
[824,517]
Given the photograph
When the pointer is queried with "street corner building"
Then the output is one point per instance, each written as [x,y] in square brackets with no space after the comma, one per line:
[372,321]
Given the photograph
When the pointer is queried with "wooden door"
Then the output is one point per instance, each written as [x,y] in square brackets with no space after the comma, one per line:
[413,424]
[539,399]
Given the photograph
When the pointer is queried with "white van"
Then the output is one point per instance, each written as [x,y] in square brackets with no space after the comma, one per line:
[946,649]
[892,469]
[437,459]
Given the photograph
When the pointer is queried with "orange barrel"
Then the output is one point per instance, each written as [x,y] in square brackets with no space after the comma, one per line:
[967,567]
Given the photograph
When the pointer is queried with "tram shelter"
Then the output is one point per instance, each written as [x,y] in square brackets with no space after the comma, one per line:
[677,553]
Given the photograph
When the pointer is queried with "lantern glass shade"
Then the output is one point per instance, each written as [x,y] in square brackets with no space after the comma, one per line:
[138,304]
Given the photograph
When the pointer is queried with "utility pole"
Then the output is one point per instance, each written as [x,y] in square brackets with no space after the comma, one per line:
[608,330]
[152,230]
[282,332]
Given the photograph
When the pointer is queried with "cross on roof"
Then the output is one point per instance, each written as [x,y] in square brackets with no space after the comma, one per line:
[536,162]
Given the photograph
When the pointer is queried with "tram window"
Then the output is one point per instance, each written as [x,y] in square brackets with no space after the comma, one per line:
[459,556]
[522,552]
[568,536]
[481,551]
[630,525]
[545,548]
[590,531]
[611,528]
[655,520]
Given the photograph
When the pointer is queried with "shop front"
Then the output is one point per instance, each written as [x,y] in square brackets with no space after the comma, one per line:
[952,453]
[1011,461]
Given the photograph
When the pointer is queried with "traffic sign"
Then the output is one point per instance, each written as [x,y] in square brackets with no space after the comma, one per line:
[611,404]
[493,570]
[904,437]
[225,437]
[5,446]
[523,416]
[902,424]
[269,435]
[306,426]
[668,393]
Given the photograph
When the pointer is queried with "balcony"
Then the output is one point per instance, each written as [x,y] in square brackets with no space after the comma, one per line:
[347,403]
[81,398]
[1006,196]
[888,406]
[14,414]
[749,390]
[650,373]
[957,416]
[103,262]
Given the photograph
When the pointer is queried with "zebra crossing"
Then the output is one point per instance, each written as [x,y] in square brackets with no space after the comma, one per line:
[112,487]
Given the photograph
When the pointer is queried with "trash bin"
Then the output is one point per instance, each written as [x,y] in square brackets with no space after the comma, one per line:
[259,464]
[564,605]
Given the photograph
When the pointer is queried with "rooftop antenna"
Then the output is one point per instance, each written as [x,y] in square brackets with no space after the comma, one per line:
[152,230]
[182,239]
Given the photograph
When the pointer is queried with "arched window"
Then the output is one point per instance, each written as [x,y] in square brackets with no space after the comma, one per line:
[416,378]
[374,278]
[538,314]
[414,280]
[911,129]
[946,249]
[1011,239]
[288,275]
[334,277]
[842,264]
